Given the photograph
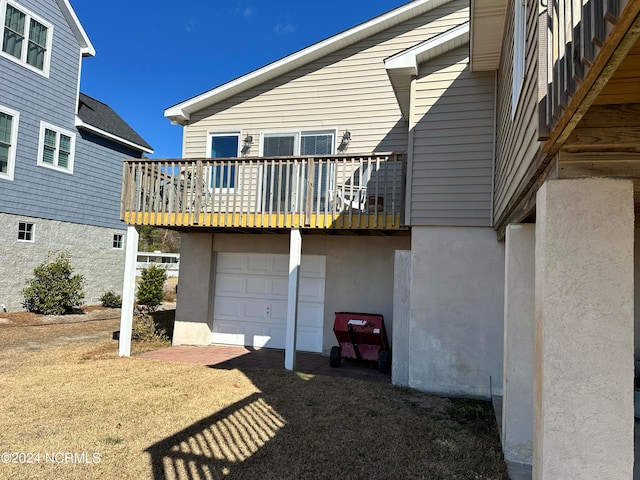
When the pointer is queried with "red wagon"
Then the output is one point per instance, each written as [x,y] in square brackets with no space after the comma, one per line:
[361,336]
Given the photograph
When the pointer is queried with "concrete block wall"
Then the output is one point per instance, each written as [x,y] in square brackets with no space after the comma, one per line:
[92,255]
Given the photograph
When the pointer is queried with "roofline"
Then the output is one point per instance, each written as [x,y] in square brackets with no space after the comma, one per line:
[110,136]
[86,47]
[181,112]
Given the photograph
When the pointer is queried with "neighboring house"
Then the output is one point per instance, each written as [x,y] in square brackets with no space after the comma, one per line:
[373,150]
[169,261]
[567,164]
[61,154]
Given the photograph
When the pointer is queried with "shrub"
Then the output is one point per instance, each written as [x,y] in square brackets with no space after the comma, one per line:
[54,290]
[110,299]
[146,329]
[151,287]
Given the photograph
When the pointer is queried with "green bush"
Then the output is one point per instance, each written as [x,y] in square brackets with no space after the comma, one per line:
[110,299]
[146,329]
[54,290]
[151,287]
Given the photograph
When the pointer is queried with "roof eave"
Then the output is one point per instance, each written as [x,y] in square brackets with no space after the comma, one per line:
[79,123]
[403,66]
[486,35]
[86,48]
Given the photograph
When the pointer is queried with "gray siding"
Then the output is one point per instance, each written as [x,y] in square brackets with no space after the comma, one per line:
[92,194]
[516,144]
[453,116]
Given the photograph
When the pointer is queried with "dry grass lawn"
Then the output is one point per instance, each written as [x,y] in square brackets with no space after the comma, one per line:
[146,419]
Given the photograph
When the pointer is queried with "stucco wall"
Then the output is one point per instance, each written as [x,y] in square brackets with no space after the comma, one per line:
[91,248]
[456,324]
[359,270]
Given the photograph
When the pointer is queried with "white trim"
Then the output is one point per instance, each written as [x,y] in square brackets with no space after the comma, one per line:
[22,61]
[210,135]
[47,126]
[86,48]
[298,134]
[79,123]
[14,142]
[33,232]
[181,112]
[403,66]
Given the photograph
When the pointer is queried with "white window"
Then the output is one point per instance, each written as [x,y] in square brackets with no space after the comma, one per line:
[519,46]
[26,38]
[26,232]
[8,139]
[223,145]
[118,241]
[56,148]
[298,143]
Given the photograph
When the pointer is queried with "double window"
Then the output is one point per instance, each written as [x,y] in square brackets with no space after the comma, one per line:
[298,143]
[26,38]
[56,148]
[8,138]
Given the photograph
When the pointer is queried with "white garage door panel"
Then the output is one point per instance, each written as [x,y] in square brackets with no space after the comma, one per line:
[250,306]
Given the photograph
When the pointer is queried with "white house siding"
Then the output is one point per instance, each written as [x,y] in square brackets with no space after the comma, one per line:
[453,115]
[359,274]
[516,143]
[346,90]
[92,255]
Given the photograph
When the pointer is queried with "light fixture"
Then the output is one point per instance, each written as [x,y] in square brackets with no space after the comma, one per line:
[346,139]
[246,144]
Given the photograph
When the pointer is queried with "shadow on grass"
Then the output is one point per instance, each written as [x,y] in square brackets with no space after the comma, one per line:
[301,426]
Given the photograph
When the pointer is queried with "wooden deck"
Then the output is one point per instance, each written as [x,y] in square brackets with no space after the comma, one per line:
[339,192]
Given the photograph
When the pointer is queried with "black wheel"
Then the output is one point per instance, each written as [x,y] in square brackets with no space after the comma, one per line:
[383,361]
[335,357]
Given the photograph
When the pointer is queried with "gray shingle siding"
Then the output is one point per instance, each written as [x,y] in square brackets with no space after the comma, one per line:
[92,194]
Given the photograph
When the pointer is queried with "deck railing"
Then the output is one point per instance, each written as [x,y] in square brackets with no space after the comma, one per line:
[575,32]
[344,192]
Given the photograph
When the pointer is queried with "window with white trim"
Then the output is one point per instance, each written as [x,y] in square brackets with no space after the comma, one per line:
[8,139]
[519,46]
[118,241]
[26,38]
[223,145]
[298,143]
[26,231]
[56,148]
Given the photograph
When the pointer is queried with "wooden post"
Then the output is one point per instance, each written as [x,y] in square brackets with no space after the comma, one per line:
[199,192]
[309,194]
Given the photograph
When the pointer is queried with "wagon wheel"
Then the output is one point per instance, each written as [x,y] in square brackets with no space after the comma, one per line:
[335,357]
[383,361]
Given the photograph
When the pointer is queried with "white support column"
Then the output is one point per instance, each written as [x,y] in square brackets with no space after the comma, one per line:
[583,387]
[128,292]
[295,255]
[519,333]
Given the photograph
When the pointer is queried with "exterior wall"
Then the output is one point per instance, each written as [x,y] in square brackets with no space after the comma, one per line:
[359,270]
[456,324]
[92,194]
[195,294]
[453,122]
[401,317]
[346,90]
[516,143]
[92,255]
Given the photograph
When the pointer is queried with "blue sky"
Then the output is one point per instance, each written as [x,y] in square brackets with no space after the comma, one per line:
[154,54]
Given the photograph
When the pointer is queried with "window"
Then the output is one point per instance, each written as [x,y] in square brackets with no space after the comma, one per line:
[519,40]
[26,38]
[118,241]
[224,145]
[26,232]
[56,148]
[8,139]
[298,143]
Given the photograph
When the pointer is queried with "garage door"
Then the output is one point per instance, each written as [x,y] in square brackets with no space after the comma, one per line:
[250,302]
